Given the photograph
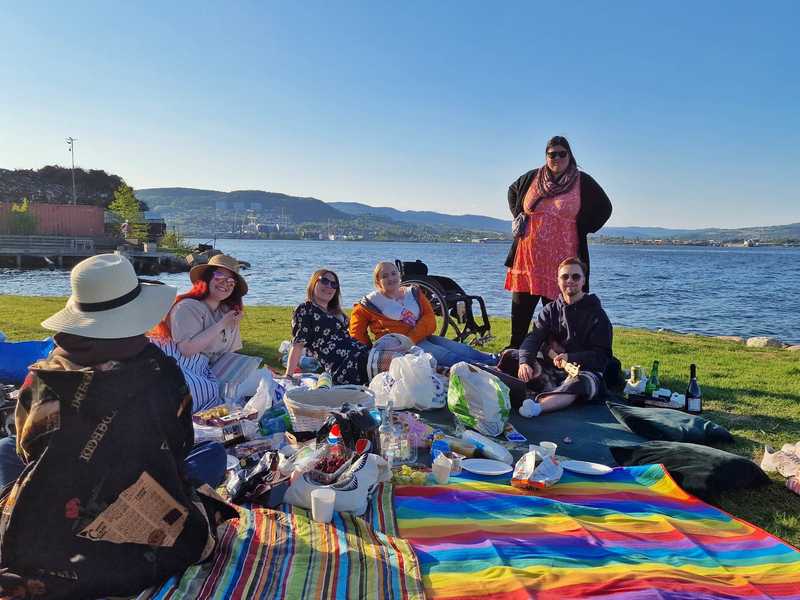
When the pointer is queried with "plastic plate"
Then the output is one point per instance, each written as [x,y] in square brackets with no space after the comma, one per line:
[585,468]
[485,466]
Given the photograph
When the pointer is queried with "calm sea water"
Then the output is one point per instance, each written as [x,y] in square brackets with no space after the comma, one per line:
[716,291]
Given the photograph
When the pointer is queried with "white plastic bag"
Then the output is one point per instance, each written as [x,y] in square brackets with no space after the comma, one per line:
[413,382]
[409,383]
[265,394]
[478,399]
[381,385]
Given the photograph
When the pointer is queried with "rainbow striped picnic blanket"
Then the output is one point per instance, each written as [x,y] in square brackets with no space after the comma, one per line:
[631,534]
[285,554]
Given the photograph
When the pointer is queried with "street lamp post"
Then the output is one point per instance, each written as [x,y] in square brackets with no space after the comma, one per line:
[71,143]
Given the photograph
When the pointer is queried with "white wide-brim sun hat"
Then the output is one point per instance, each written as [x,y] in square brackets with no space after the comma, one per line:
[108,301]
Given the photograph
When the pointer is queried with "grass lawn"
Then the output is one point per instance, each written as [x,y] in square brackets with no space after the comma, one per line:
[755,393]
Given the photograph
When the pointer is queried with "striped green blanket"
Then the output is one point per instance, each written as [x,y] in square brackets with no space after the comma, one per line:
[285,554]
[631,534]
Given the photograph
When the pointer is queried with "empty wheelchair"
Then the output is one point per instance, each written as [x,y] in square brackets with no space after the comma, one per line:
[453,307]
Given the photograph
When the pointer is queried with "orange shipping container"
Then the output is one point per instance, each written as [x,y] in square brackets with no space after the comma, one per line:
[60,219]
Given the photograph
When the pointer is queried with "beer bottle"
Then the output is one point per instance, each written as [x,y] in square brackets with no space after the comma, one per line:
[653,383]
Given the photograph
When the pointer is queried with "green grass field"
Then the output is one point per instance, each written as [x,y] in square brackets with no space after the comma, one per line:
[755,393]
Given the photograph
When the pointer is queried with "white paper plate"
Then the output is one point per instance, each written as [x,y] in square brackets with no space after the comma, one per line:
[585,468]
[485,466]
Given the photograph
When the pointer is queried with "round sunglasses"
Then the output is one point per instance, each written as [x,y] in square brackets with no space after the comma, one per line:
[331,283]
[558,153]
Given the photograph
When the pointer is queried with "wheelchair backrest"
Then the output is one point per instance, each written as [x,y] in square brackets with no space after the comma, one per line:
[411,269]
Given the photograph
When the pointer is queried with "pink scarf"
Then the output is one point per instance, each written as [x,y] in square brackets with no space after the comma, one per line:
[544,185]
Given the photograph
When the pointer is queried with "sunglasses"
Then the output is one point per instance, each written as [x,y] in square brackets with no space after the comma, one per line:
[568,276]
[331,283]
[558,153]
[220,276]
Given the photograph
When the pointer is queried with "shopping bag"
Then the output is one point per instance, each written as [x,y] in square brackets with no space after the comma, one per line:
[478,399]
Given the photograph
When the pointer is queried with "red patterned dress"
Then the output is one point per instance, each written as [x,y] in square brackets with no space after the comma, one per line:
[551,235]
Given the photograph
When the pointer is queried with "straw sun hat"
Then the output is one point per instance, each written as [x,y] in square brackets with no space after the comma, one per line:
[220,260]
[108,301]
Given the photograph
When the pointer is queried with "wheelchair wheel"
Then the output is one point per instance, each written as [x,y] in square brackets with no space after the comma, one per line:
[436,297]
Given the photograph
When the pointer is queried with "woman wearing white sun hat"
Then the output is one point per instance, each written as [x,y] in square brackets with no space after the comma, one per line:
[105,437]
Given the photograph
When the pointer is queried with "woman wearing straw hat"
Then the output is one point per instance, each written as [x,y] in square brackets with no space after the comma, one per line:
[201,331]
[104,452]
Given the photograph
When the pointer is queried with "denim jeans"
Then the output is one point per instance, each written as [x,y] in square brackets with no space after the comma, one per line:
[448,352]
[206,463]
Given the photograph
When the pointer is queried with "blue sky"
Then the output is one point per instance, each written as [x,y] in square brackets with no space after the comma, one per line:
[685,112]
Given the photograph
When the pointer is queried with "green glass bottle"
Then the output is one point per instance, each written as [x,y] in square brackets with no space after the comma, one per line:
[653,383]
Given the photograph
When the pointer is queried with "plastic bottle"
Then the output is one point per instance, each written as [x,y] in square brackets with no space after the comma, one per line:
[489,448]
[408,451]
[324,381]
[439,445]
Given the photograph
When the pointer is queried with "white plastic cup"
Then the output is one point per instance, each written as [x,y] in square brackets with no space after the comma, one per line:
[548,448]
[441,473]
[322,501]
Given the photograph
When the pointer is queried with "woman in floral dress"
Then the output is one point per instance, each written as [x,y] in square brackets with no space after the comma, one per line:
[320,326]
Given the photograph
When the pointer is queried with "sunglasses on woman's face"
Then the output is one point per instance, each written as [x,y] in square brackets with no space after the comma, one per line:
[568,276]
[558,154]
[331,283]
[220,276]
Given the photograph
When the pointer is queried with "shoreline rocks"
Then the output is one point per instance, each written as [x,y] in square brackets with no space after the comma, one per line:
[736,339]
[764,342]
[760,341]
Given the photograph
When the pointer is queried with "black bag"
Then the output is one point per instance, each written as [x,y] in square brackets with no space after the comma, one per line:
[355,423]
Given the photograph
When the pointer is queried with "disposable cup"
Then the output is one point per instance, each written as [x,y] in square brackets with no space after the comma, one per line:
[441,473]
[322,501]
[548,448]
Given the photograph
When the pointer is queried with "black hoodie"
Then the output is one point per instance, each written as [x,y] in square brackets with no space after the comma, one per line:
[583,329]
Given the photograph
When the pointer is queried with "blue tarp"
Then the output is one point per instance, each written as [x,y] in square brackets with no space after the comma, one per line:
[16,357]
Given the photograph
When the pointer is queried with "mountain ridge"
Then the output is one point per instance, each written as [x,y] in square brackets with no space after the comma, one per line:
[314,209]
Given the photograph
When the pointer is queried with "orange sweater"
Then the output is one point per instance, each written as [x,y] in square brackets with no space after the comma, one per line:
[364,321]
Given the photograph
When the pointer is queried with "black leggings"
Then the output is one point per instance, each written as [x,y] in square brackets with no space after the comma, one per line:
[522,307]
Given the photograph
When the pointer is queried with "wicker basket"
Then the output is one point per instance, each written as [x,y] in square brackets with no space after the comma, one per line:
[309,409]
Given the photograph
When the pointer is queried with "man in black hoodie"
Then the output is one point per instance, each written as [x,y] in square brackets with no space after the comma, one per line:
[576,330]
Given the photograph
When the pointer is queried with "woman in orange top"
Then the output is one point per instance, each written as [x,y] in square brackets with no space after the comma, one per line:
[393,308]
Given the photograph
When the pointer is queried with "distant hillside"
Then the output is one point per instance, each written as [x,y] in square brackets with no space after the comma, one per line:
[645,233]
[425,217]
[171,201]
[198,212]
[767,233]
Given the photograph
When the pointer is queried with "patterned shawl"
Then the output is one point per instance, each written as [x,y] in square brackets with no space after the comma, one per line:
[545,184]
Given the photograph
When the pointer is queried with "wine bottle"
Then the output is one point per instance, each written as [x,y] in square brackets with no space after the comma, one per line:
[694,398]
[653,383]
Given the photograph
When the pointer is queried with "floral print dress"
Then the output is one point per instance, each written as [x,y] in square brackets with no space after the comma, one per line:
[326,338]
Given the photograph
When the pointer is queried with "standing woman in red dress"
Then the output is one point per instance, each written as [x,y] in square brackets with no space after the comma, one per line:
[554,208]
